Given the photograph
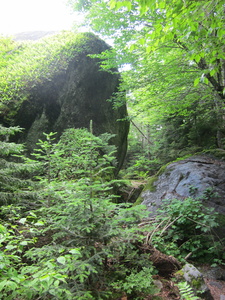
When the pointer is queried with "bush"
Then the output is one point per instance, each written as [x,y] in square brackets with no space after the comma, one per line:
[185,229]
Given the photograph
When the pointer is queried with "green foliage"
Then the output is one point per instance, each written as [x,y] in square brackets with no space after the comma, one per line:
[185,228]
[139,166]
[14,179]
[78,154]
[89,249]
[13,242]
[140,161]
[21,281]
[202,22]
[174,85]
[186,291]
[136,282]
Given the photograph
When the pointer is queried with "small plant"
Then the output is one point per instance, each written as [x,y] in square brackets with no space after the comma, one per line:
[186,291]
[193,190]
[209,194]
[137,284]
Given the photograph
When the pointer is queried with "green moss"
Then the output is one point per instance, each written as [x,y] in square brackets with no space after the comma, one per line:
[196,283]
[162,169]
[179,273]
[30,64]
[150,184]
[138,201]
[148,187]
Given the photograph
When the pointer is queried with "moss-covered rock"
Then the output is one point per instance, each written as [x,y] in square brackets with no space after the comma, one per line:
[194,278]
[149,186]
[52,84]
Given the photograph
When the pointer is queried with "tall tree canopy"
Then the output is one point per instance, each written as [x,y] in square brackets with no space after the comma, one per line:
[173,62]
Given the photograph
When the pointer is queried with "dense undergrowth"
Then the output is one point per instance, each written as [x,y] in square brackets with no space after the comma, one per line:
[65,235]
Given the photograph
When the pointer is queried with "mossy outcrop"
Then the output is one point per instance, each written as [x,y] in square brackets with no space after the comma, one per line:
[61,87]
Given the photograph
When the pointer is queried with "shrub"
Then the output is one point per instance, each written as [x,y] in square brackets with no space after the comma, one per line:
[186,229]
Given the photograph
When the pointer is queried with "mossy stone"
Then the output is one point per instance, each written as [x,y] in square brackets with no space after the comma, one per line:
[60,86]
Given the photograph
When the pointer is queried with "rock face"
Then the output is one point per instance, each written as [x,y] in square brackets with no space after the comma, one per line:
[72,99]
[197,176]
[196,281]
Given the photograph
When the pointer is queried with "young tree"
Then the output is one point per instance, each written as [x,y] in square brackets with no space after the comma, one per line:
[14,173]
[90,242]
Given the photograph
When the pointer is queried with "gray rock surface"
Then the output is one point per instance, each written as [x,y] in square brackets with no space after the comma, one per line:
[213,273]
[195,279]
[198,177]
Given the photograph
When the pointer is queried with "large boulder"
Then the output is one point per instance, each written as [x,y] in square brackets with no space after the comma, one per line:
[200,177]
[76,93]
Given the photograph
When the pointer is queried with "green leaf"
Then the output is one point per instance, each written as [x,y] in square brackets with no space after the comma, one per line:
[206,80]
[24,243]
[22,221]
[11,285]
[56,283]
[196,82]
[75,251]
[3,283]
[112,4]
[197,58]
[142,41]
[132,47]
[212,72]
[2,229]
[10,247]
[39,223]
[61,260]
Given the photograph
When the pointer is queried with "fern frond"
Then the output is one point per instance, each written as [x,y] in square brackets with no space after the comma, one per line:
[186,291]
